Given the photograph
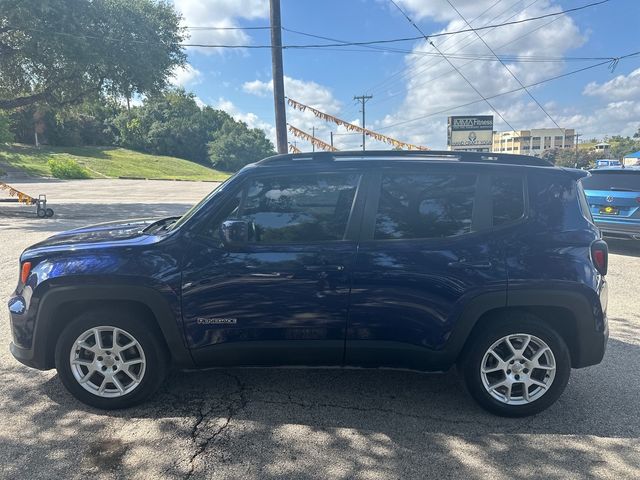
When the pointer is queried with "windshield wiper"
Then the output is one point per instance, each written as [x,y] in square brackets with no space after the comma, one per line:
[620,189]
[160,225]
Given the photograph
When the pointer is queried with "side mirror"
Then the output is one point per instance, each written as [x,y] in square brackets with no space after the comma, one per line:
[234,233]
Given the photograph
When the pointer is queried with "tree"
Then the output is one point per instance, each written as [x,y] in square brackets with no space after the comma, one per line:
[58,52]
[170,123]
[569,157]
[235,145]
[6,135]
[621,146]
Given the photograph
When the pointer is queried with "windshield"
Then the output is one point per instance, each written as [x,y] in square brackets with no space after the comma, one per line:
[613,180]
[196,208]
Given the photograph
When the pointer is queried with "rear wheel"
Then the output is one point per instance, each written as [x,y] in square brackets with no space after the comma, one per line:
[109,359]
[517,366]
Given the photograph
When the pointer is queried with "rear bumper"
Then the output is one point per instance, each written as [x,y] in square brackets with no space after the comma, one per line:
[618,229]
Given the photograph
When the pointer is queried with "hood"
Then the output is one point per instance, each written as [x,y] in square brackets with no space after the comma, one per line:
[131,231]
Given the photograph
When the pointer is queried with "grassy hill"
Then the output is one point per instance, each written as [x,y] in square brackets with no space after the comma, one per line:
[105,162]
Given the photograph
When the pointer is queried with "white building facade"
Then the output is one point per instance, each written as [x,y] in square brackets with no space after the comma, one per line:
[534,141]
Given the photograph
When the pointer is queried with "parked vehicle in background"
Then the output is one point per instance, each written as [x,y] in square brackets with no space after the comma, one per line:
[614,201]
[605,162]
[412,260]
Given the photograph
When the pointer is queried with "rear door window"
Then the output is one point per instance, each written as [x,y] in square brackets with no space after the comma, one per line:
[425,206]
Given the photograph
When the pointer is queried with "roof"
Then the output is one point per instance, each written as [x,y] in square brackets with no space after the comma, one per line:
[633,155]
[413,155]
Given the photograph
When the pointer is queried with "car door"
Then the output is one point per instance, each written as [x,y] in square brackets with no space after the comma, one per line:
[428,246]
[282,298]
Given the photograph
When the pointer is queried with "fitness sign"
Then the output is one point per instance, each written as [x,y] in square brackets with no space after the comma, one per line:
[470,133]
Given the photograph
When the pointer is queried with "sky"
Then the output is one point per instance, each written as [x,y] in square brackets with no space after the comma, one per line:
[413,87]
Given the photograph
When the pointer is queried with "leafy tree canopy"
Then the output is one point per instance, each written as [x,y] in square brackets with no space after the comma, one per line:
[170,123]
[235,145]
[60,51]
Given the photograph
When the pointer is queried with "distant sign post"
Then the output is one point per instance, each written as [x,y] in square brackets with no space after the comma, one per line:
[470,133]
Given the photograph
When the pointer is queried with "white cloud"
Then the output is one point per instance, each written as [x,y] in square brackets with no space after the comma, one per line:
[620,88]
[433,85]
[251,119]
[317,96]
[220,13]
[185,76]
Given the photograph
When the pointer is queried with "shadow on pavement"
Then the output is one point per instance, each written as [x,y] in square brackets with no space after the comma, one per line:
[23,218]
[386,424]
[624,247]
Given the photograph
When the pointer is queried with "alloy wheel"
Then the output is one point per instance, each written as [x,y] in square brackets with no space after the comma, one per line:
[107,361]
[518,369]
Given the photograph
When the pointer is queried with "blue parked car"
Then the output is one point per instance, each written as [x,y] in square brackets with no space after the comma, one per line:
[614,200]
[412,260]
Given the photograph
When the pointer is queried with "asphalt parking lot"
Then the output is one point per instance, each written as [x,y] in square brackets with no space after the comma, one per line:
[304,424]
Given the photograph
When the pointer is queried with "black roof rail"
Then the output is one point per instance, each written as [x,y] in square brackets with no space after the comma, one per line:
[419,155]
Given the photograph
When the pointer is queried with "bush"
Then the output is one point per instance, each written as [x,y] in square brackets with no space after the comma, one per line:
[66,168]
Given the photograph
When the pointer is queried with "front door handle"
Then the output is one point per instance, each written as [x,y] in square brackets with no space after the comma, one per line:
[324,268]
[479,265]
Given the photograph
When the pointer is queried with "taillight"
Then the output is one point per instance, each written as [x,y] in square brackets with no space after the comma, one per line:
[25,271]
[600,256]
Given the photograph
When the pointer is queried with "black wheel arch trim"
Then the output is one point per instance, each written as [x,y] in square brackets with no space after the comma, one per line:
[590,340]
[583,303]
[169,325]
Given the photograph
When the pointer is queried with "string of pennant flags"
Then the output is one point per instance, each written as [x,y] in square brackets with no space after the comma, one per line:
[350,127]
[311,139]
[22,197]
[293,148]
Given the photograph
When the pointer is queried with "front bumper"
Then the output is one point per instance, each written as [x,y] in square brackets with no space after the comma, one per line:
[26,357]
[23,325]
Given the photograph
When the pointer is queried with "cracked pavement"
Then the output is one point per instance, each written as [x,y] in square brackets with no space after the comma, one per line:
[304,424]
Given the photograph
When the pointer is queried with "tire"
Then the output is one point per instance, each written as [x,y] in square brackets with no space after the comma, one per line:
[49,212]
[502,390]
[41,213]
[137,371]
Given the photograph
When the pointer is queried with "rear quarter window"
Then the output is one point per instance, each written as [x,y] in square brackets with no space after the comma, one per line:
[507,196]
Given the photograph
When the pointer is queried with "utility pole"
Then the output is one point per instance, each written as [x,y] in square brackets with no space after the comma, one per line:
[331,138]
[578,135]
[278,76]
[363,100]
[313,134]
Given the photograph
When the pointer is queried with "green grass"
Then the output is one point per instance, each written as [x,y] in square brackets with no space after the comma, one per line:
[106,162]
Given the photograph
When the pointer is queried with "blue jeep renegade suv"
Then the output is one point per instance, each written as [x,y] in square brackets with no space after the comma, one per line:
[413,260]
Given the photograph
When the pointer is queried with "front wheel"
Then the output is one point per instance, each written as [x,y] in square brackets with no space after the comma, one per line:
[109,358]
[517,366]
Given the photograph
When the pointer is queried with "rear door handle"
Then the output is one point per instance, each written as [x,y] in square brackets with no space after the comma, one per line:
[324,268]
[480,265]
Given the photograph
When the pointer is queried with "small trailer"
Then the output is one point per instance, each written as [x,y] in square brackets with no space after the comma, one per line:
[42,211]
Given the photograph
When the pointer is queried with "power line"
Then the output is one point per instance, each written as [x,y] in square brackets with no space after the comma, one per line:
[423,66]
[517,39]
[505,66]
[228,28]
[326,45]
[451,64]
[407,73]
[491,97]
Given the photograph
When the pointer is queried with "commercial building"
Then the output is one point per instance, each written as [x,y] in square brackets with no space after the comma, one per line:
[534,141]
[470,133]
